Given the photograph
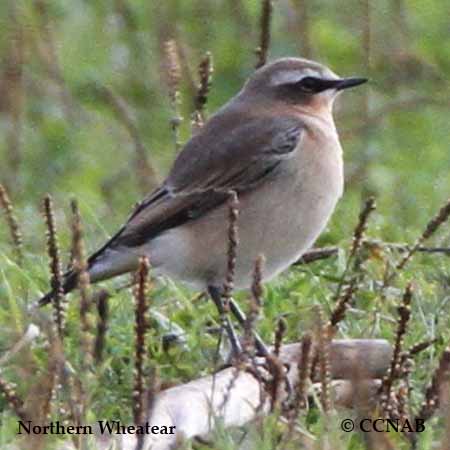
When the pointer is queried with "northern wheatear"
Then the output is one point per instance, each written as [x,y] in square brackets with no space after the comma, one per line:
[275,144]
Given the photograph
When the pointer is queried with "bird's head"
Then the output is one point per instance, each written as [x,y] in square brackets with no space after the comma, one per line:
[300,82]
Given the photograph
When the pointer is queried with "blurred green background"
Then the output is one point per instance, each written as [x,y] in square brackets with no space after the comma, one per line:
[62,134]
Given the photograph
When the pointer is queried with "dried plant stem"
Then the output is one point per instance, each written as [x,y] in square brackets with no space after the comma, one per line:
[433,225]
[347,288]
[173,68]
[222,297]
[257,286]
[102,324]
[420,347]
[278,377]
[360,230]
[76,410]
[357,240]
[14,401]
[323,354]
[317,254]
[404,311]
[13,224]
[196,122]
[300,396]
[233,242]
[279,334]
[445,406]
[13,79]
[141,327]
[433,392]
[58,299]
[54,366]
[205,71]
[403,392]
[173,76]
[342,304]
[304,375]
[255,305]
[404,248]
[80,268]
[264,39]
[402,396]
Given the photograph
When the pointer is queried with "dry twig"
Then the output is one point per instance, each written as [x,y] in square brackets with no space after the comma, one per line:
[50,383]
[80,268]
[255,305]
[342,304]
[233,242]
[420,347]
[279,334]
[323,355]
[317,254]
[13,399]
[278,377]
[360,230]
[58,299]
[433,392]
[102,324]
[205,71]
[13,225]
[357,240]
[304,375]
[432,226]
[141,327]
[173,77]
[404,311]
[264,39]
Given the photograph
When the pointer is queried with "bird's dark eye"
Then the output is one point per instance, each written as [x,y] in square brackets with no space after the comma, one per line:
[308,84]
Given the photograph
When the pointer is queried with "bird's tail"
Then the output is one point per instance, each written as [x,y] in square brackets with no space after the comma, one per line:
[46,299]
[102,265]
[70,279]
[69,283]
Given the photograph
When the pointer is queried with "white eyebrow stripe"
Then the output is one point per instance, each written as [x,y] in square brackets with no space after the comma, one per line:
[292,76]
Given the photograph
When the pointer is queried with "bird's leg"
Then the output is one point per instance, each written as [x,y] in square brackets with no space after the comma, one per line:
[216,297]
[261,348]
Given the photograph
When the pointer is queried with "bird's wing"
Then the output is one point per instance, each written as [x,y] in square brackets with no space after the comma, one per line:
[217,160]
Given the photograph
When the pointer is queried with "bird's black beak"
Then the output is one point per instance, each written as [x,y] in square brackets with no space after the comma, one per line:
[346,83]
[339,84]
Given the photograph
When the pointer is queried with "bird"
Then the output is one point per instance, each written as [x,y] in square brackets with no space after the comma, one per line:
[275,145]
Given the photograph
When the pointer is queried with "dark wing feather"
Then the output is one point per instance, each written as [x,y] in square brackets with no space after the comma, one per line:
[235,159]
[158,194]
